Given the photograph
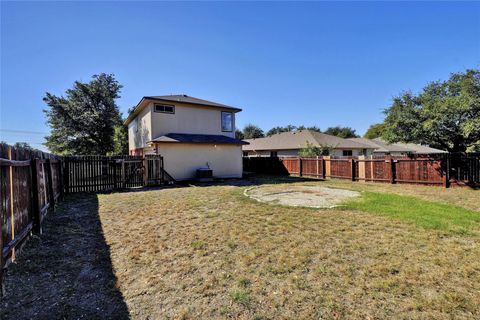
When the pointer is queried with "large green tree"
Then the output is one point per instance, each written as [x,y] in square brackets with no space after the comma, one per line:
[120,140]
[289,128]
[375,131]
[251,131]
[83,121]
[342,132]
[239,134]
[280,129]
[445,114]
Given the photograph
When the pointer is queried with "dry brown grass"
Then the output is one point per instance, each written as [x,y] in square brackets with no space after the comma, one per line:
[209,252]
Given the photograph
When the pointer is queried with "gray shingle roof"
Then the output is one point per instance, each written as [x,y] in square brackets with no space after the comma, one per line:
[299,139]
[382,146]
[198,138]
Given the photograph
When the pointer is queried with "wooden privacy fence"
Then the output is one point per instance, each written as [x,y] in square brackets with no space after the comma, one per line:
[99,173]
[385,169]
[459,169]
[32,182]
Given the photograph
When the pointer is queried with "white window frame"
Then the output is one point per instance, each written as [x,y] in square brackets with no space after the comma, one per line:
[163,106]
[231,121]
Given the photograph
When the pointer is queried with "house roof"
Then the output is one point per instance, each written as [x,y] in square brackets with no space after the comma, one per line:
[197,138]
[179,98]
[299,139]
[420,149]
[383,146]
[380,145]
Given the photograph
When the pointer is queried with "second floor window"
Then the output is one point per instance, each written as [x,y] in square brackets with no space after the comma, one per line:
[227,121]
[164,108]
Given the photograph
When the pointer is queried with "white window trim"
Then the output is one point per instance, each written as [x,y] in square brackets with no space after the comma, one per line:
[163,105]
[221,121]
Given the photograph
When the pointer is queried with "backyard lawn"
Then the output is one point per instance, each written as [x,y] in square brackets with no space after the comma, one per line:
[210,252]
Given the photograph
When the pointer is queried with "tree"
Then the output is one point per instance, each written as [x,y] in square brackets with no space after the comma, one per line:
[289,128]
[22,145]
[239,134]
[375,131]
[83,121]
[312,128]
[445,115]
[342,132]
[251,131]
[120,140]
[311,150]
[280,129]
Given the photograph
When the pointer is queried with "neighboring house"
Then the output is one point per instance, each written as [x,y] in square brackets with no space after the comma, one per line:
[396,149]
[189,133]
[289,144]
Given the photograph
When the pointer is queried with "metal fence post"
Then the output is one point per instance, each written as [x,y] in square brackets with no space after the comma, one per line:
[352,167]
[447,171]
[300,169]
[392,171]
[324,173]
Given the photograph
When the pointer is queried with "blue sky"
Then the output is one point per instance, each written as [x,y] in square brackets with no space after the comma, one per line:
[324,64]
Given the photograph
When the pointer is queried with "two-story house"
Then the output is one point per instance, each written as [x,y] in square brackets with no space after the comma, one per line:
[189,133]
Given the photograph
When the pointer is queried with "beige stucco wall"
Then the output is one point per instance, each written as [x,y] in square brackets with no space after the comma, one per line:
[266,153]
[182,160]
[186,119]
[355,152]
[189,119]
[139,138]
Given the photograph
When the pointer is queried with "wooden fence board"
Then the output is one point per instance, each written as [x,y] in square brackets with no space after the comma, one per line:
[31,182]
[461,169]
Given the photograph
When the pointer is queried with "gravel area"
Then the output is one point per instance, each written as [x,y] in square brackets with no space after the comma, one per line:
[301,196]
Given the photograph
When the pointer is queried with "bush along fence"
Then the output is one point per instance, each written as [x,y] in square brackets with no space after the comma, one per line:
[32,182]
[444,170]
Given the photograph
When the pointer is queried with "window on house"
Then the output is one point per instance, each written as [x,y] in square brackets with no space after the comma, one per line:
[273,154]
[347,153]
[163,108]
[227,121]
[135,125]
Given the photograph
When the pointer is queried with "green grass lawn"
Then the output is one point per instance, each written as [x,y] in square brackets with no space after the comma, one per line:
[209,252]
[425,214]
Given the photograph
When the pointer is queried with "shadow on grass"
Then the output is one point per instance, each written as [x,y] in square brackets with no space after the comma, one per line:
[66,273]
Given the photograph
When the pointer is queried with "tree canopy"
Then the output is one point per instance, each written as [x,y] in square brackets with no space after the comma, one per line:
[376,130]
[280,129]
[239,134]
[251,131]
[84,120]
[311,150]
[445,114]
[289,128]
[342,132]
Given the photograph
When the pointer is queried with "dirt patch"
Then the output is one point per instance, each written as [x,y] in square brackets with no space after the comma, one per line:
[301,196]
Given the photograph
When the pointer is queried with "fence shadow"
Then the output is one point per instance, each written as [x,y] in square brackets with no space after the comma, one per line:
[66,273]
